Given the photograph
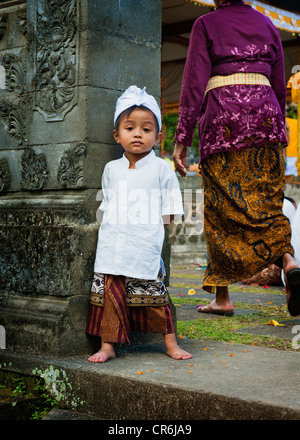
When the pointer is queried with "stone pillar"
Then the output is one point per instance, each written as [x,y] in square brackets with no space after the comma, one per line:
[65,62]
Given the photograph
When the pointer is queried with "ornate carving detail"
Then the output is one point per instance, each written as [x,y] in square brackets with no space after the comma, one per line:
[70,171]
[55,76]
[4,175]
[13,111]
[22,21]
[13,118]
[14,73]
[34,171]
[3,20]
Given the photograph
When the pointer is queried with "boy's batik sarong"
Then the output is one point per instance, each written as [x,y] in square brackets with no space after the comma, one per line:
[120,304]
[244,226]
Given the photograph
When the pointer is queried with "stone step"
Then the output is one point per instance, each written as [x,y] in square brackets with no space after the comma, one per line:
[65,414]
[220,382]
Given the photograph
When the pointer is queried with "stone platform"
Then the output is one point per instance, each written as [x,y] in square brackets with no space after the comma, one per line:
[221,382]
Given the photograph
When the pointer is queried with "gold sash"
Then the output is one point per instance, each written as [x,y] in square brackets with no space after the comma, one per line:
[237,78]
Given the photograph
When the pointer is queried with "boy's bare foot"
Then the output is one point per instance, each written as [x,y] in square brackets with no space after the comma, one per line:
[177,353]
[107,352]
[172,348]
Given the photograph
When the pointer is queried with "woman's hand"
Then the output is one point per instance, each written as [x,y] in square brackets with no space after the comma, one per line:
[179,158]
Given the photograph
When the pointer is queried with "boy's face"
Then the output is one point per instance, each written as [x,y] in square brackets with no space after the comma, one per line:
[137,133]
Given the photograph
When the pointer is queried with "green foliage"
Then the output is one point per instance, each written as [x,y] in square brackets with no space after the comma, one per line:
[27,387]
[291,110]
[170,123]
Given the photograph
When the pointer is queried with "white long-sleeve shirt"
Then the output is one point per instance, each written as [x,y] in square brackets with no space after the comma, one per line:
[131,234]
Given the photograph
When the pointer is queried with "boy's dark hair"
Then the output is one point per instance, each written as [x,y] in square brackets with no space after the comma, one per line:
[126,113]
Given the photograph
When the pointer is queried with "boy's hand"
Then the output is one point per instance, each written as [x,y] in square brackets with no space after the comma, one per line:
[167,220]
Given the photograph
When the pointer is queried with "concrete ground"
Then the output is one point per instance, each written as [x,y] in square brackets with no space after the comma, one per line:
[222,381]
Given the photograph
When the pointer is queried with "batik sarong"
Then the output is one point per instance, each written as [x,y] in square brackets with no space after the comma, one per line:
[119,305]
[245,228]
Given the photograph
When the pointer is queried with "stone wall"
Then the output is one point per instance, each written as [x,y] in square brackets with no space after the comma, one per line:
[65,62]
[187,234]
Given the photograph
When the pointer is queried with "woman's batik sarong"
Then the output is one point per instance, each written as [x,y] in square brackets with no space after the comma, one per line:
[244,226]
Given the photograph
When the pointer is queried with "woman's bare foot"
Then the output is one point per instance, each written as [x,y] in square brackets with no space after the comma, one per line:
[214,308]
[221,305]
[107,352]
[172,348]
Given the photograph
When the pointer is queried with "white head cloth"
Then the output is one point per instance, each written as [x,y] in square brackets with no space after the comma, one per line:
[136,96]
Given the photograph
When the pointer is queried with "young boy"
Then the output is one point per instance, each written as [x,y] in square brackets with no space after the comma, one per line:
[140,190]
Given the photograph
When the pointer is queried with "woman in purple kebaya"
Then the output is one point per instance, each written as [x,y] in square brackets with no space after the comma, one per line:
[234,87]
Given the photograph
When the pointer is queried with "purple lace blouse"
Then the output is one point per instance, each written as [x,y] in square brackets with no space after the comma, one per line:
[234,38]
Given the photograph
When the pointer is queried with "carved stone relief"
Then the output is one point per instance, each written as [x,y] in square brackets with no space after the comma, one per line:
[22,21]
[3,20]
[4,175]
[55,59]
[54,46]
[34,170]
[13,117]
[70,171]
[13,105]
[14,72]
[13,109]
